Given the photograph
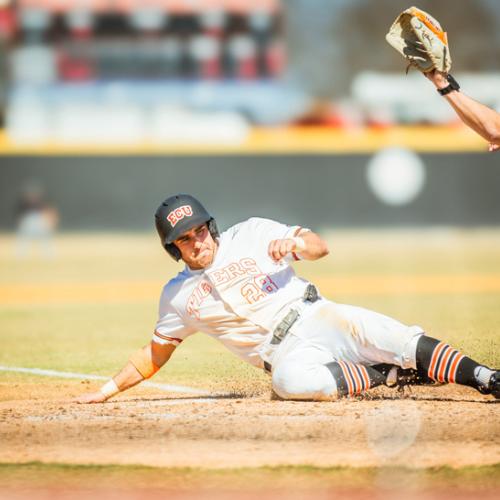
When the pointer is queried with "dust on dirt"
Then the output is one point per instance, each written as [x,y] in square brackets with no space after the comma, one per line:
[427,427]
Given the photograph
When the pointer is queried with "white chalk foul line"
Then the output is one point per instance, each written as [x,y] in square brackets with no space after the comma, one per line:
[55,373]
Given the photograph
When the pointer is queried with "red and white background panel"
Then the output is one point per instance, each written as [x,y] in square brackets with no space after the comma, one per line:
[177,6]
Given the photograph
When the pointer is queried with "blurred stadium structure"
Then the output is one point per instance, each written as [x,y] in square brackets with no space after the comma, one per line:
[163,70]
[294,109]
[181,71]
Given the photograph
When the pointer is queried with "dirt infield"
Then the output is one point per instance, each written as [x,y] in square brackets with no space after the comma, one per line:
[429,427]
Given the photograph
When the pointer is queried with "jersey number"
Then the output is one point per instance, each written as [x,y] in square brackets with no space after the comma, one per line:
[258,288]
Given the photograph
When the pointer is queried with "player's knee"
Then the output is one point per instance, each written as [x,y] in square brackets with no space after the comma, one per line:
[289,382]
[292,381]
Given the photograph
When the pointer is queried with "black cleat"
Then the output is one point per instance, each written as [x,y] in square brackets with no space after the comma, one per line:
[493,387]
[402,377]
[411,376]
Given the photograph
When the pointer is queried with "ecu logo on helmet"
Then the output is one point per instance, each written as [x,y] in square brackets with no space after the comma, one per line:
[179,213]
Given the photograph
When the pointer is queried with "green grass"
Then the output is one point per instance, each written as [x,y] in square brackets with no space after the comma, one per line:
[35,474]
[98,338]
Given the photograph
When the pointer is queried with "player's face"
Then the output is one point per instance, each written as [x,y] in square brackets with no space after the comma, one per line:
[197,247]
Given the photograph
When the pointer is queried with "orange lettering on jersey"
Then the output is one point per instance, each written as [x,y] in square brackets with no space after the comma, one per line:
[252,293]
[200,293]
[226,274]
[234,270]
[250,266]
[258,288]
[219,276]
[191,308]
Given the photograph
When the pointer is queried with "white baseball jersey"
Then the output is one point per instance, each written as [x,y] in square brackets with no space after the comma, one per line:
[239,298]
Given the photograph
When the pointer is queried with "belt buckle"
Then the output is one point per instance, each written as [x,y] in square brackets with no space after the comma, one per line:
[284,325]
[311,293]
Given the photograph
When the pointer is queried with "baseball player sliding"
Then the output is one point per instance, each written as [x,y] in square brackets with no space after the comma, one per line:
[239,288]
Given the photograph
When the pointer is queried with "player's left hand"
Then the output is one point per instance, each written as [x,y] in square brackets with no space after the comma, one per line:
[90,397]
[280,248]
[438,78]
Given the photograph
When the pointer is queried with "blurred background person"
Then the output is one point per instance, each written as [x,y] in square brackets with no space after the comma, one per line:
[37,220]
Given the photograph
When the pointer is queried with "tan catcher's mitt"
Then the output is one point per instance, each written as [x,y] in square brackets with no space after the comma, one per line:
[421,40]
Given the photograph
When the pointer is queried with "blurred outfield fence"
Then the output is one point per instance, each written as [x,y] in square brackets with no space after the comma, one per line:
[317,191]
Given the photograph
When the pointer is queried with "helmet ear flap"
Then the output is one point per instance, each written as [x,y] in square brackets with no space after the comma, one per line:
[213,229]
[173,251]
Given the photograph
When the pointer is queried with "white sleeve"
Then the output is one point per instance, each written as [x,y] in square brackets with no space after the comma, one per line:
[272,230]
[170,327]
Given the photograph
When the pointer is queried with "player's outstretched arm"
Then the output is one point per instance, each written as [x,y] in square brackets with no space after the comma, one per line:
[308,244]
[142,365]
[483,120]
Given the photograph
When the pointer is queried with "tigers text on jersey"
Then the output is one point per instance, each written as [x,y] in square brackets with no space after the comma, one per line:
[239,298]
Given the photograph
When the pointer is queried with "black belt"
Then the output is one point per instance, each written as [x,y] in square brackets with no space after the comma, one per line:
[281,331]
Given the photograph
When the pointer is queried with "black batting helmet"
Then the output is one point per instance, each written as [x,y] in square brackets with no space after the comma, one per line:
[178,214]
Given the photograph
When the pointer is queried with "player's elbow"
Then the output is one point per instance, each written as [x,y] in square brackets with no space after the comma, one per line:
[493,132]
[160,353]
[323,250]
[494,137]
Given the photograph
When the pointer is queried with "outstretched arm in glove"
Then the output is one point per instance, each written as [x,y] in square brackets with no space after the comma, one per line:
[480,118]
[142,365]
[422,41]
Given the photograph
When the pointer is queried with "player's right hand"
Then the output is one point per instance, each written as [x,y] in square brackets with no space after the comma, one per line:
[278,249]
[493,147]
[90,397]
